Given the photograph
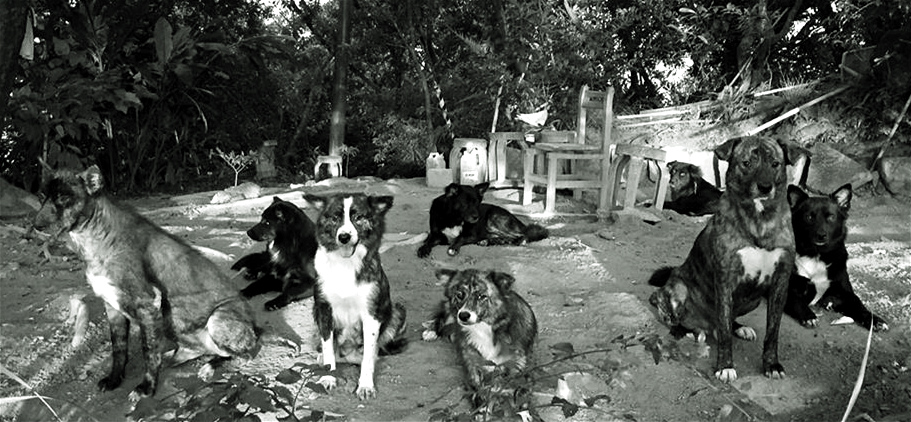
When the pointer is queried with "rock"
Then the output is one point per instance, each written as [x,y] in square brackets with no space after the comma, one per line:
[15,202]
[830,169]
[246,190]
[895,173]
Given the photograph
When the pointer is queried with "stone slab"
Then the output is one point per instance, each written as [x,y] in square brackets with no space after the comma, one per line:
[830,169]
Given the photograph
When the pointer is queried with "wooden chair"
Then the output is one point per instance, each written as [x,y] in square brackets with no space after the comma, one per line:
[557,162]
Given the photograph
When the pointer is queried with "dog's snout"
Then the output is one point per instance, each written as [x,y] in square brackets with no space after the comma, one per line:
[764,188]
[464,316]
[344,238]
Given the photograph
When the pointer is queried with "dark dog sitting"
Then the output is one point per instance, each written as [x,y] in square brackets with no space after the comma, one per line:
[286,265]
[690,193]
[744,253]
[148,277]
[821,274]
[460,209]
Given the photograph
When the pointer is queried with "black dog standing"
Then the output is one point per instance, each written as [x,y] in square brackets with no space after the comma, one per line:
[745,252]
[459,209]
[821,274]
[286,265]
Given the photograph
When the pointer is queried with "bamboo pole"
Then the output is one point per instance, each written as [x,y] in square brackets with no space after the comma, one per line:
[796,110]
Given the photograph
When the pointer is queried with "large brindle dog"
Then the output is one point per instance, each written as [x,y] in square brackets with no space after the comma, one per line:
[745,252]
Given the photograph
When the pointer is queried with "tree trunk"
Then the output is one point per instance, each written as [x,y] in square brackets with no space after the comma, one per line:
[12,28]
[339,89]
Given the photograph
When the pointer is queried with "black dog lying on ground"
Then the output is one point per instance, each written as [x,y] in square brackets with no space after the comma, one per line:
[821,274]
[149,277]
[460,209]
[690,193]
[286,265]
[744,253]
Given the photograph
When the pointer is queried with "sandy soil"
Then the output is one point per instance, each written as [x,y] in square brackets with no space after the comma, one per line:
[586,284]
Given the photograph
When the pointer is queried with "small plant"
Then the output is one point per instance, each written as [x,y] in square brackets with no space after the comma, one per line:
[237,162]
[237,397]
[347,152]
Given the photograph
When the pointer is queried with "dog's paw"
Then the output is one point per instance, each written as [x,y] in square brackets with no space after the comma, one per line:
[775,371]
[429,335]
[745,333]
[879,325]
[145,389]
[109,383]
[482,242]
[810,323]
[726,375]
[327,381]
[452,252]
[366,392]
[423,252]
[279,302]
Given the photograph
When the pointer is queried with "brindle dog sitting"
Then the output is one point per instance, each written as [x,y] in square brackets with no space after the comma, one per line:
[745,253]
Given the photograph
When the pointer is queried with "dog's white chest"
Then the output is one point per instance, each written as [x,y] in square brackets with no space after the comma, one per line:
[759,263]
[338,283]
[452,232]
[480,336]
[815,270]
[105,289]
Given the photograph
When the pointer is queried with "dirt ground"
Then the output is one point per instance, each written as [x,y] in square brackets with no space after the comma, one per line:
[586,284]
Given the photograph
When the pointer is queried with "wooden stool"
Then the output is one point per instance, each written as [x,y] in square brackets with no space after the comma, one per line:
[631,158]
[333,161]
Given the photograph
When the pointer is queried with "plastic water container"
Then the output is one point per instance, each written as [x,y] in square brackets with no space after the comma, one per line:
[473,152]
[473,166]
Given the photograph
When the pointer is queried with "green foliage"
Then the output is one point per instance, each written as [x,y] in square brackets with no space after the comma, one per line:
[237,162]
[506,392]
[236,397]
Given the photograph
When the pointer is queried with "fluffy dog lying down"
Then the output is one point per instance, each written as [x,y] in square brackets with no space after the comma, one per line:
[494,329]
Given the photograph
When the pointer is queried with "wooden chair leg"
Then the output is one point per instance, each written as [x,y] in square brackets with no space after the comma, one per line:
[551,198]
[664,180]
[616,173]
[528,170]
[633,174]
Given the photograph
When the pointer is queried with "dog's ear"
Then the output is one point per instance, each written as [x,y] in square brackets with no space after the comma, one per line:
[843,196]
[725,150]
[694,170]
[317,202]
[92,180]
[792,151]
[445,275]
[380,204]
[796,195]
[276,199]
[482,187]
[503,281]
[452,190]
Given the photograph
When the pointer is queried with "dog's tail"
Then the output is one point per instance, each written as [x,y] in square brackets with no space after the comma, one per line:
[394,333]
[534,232]
[660,276]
